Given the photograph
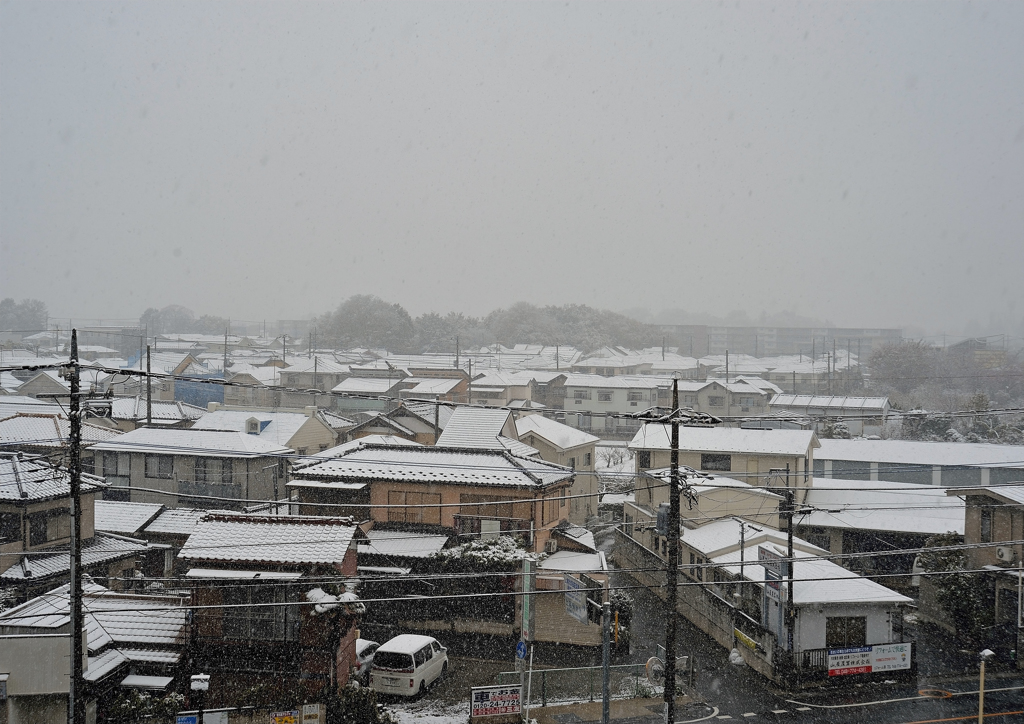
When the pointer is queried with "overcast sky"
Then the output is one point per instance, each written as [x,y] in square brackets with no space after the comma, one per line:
[860,162]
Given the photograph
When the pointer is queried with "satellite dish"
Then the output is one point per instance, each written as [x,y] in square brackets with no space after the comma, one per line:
[655,671]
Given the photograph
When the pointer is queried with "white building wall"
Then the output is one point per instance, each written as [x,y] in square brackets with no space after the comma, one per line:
[810,625]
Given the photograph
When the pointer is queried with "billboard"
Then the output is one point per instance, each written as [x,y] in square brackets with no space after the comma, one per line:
[495,701]
[869,659]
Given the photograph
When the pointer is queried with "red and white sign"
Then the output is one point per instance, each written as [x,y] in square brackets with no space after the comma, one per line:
[869,659]
[495,700]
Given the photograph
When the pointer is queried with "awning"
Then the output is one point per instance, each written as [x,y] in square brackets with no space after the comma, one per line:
[152,683]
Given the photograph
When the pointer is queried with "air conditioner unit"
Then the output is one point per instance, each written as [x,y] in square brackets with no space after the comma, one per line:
[1005,554]
[550,546]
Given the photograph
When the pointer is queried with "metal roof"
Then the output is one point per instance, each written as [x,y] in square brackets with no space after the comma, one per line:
[280,539]
[655,436]
[102,548]
[200,443]
[45,430]
[475,427]
[123,517]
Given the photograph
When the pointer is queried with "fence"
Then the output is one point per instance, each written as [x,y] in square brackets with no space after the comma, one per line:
[628,681]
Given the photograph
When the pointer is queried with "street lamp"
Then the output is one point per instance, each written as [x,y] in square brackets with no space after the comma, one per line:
[985,656]
[200,684]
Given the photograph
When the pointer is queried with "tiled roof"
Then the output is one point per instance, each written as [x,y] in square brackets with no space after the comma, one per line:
[203,443]
[177,521]
[134,408]
[25,478]
[110,618]
[458,466]
[42,430]
[283,539]
[103,548]
[474,427]
[123,517]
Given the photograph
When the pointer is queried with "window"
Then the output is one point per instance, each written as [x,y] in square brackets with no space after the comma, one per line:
[634,396]
[49,525]
[424,655]
[845,631]
[424,516]
[581,394]
[710,461]
[572,463]
[716,400]
[643,458]
[159,466]
[628,524]
[253,621]
[689,400]
[116,468]
[10,527]
[586,460]
[604,396]
[986,526]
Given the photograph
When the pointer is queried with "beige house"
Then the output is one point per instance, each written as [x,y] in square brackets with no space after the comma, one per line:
[746,455]
[317,373]
[501,389]
[564,445]
[253,387]
[304,432]
[470,491]
[151,465]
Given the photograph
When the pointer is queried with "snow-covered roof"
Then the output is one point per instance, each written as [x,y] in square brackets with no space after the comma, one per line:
[831,402]
[1012,494]
[401,544]
[815,581]
[177,521]
[278,427]
[13,404]
[642,382]
[26,478]
[367,385]
[883,506]
[201,443]
[655,436]
[347,447]
[574,561]
[577,534]
[274,539]
[476,427]
[103,548]
[554,432]
[421,386]
[318,364]
[134,408]
[124,517]
[41,430]
[909,452]
[456,466]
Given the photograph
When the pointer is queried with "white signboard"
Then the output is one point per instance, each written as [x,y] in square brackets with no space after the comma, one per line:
[495,701]
[869,659]
[311,714]
[575,599]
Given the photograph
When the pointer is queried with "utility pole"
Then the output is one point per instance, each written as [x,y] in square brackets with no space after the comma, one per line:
[606,625]
[672,570]
[149,389]
[726,368]
[76,690]
[225,353]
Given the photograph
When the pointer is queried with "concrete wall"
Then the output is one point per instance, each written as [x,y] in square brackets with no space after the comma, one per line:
[809,630]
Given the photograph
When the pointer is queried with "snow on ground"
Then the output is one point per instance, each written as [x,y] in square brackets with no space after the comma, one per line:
[430,712]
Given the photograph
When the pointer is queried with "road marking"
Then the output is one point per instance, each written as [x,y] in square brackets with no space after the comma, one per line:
[750,713]
[803,708]
[893,701]
[724,716]
[965,718]
[779,711]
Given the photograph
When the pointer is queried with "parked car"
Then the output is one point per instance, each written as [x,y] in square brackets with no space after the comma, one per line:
[365,649]
[408,665]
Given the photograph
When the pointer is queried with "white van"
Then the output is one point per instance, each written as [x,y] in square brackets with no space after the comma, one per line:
[407,665]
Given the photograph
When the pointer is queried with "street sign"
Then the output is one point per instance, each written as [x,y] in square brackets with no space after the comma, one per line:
[525,628]
[575,599]
[186,719]
[285,717]
[521,650]
[488,701]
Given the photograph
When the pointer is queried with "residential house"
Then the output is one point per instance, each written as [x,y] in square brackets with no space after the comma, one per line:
[128,413]
[501,389]
[575,449]
[367,394]
[48,435]
[289,617]
[746,455]
[35,529]
[175,467]
[304,432]
[602,405]
[418,422]
[321,373]
[166,364]
[466,491]
[131,642]
[943,464]
[250,386]
[491,429]
[994,516]
[863,416]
